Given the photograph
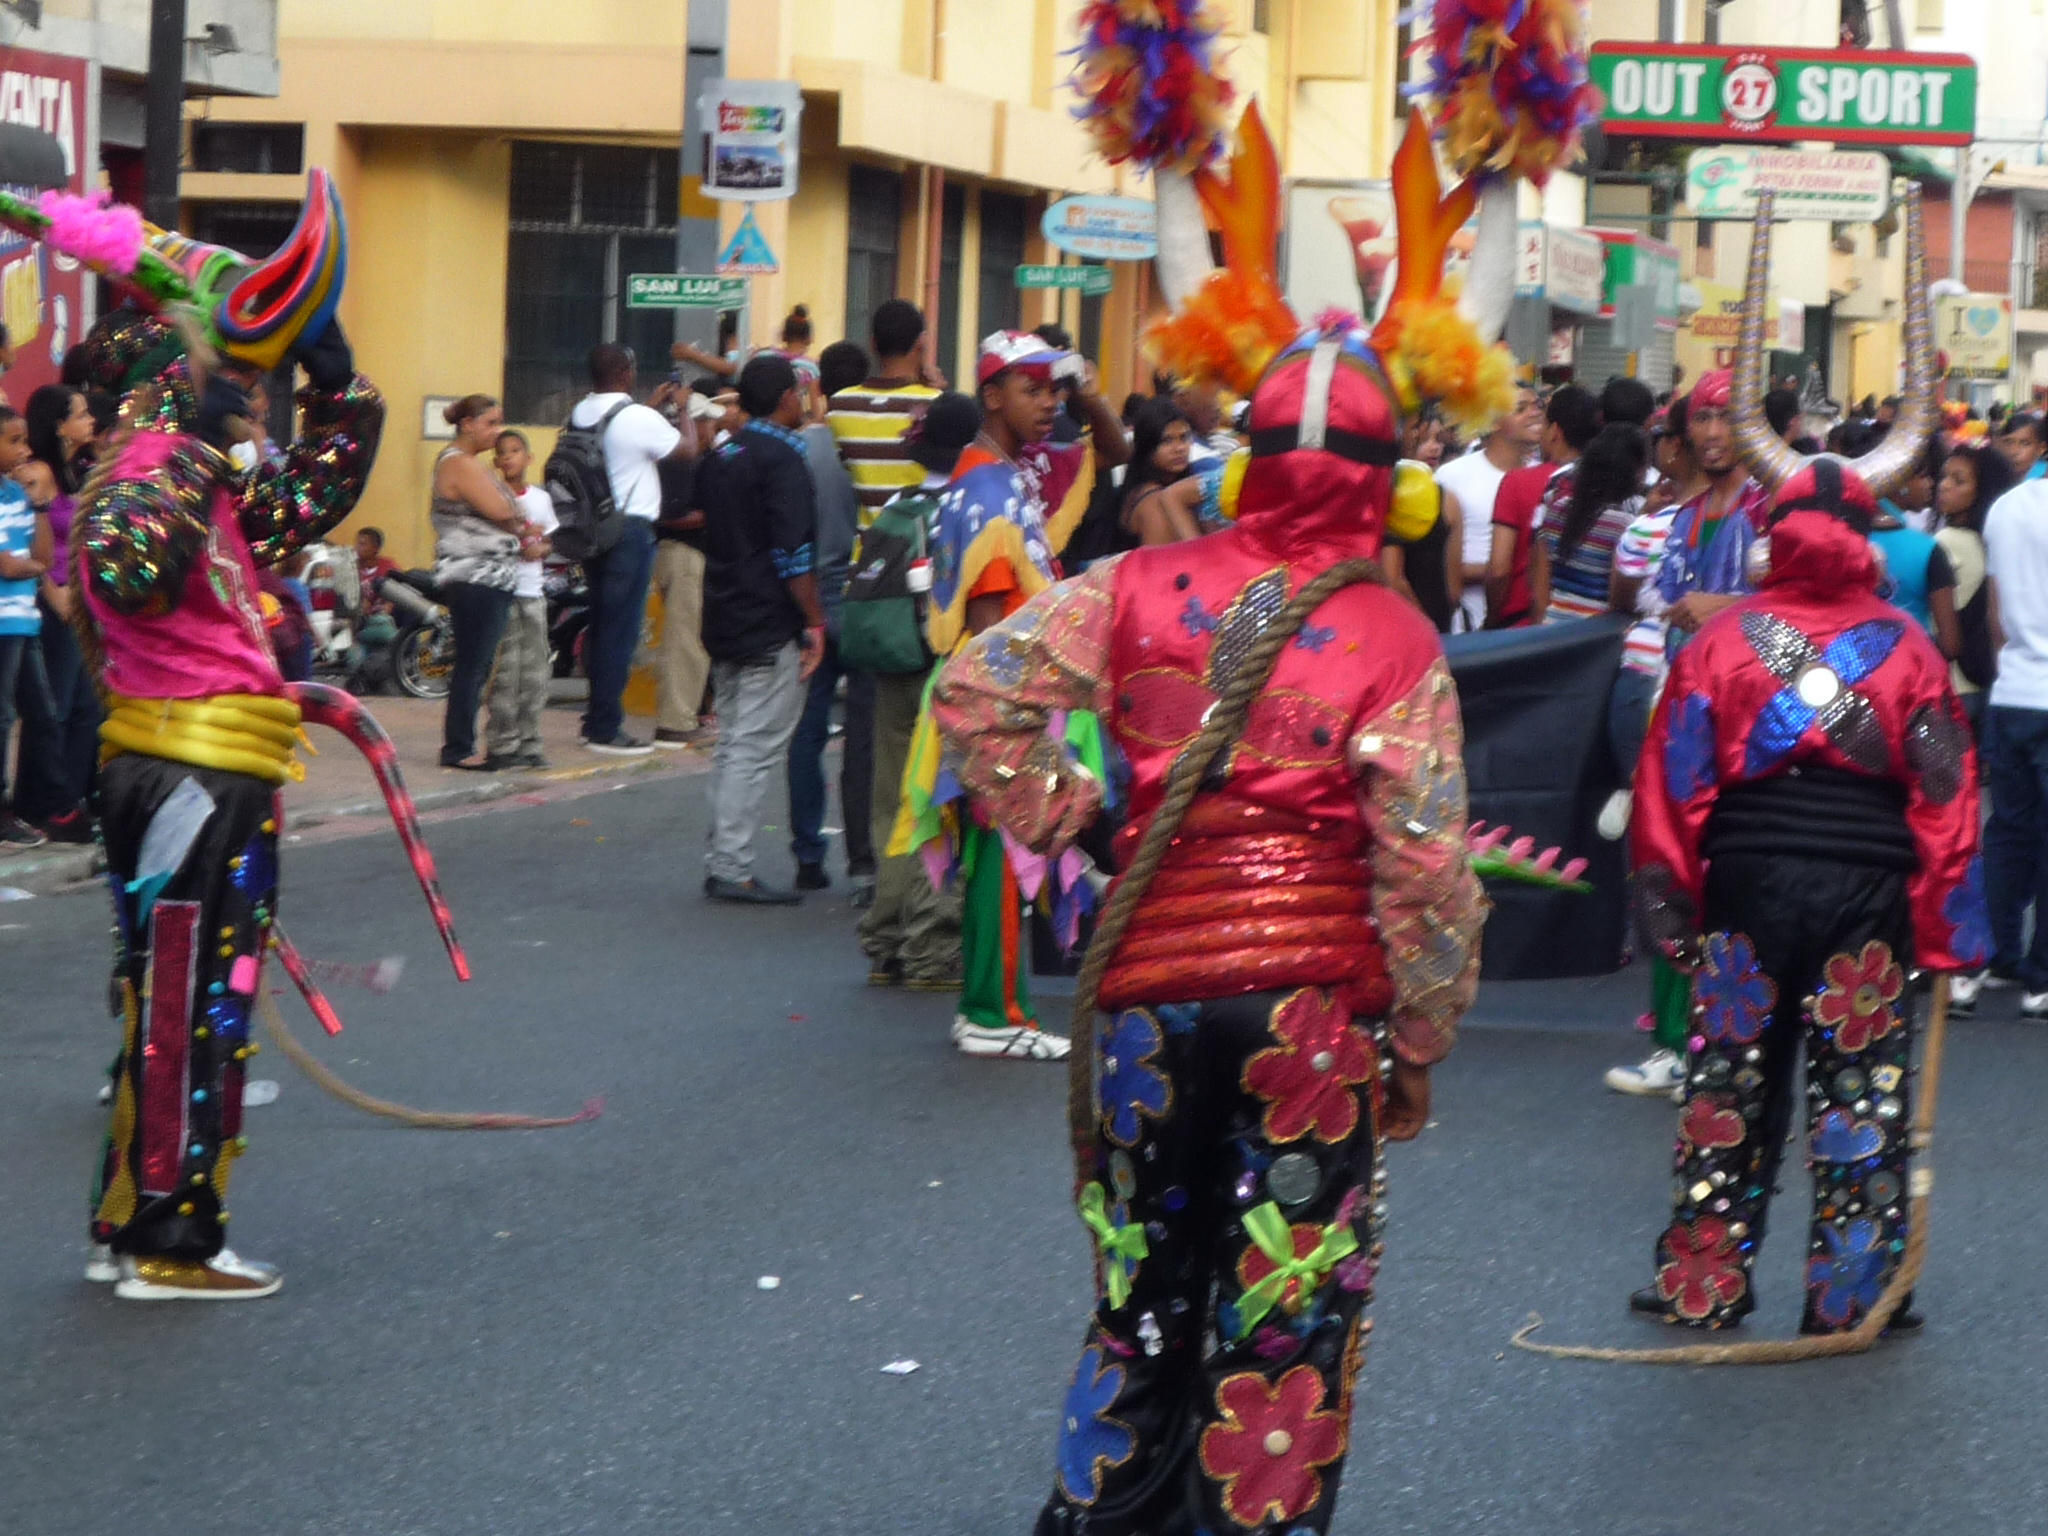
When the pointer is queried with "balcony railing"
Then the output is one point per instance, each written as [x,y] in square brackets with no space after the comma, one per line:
[2025,281]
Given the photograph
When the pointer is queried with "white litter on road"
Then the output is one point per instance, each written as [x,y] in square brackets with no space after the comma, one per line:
[769,1283]
[899,1367]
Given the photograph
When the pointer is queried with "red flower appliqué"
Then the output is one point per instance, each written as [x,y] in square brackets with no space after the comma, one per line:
[1857,1001]
[1268,1446]
[1253,1265]
[1705,1269]
[1711,1121]
[1307,1080]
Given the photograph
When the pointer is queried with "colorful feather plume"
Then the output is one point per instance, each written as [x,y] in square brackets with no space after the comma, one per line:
[1430,350]
[1231,327]
[107,236]
[1507,86]
[1151,89]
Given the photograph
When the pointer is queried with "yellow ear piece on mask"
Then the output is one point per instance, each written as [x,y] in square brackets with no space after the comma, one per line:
[1231,486]
[1417,502]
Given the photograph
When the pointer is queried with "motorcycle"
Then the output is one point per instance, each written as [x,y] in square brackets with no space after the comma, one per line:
[334,583]
[568,599]
[423,655]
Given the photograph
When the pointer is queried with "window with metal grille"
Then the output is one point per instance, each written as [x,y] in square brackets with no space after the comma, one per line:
[261,149]
[952,237]
[874,227]
[584,219]
[1005,224]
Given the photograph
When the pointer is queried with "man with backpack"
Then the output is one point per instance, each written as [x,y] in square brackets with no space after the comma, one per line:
[911,934]
[607,522]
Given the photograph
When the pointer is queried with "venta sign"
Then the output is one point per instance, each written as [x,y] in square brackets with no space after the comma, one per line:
[1779,95]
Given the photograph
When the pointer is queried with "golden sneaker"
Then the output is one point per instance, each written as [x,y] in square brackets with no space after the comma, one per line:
[224,1277]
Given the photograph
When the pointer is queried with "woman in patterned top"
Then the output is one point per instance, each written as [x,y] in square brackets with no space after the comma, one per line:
[1574,561]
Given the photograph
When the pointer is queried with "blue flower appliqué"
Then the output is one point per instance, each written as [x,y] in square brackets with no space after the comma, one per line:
[1689,747]
[1733,994]
[1313,637]
[1179,1018]
[1131,1086]
[1090,1440]
[1841,1138]
[1845,1282]
[1970,942]
[1197,620]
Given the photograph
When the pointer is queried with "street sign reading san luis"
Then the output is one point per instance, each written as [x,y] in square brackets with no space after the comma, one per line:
[1782,95]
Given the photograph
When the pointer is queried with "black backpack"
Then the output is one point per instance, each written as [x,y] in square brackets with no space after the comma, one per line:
[588,520]
[1979,660]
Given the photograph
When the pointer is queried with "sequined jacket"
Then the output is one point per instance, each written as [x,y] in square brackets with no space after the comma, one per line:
[1815,669]
[166,545]
[1332,852]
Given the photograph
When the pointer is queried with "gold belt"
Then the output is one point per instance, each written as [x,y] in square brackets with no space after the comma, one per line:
[233,732]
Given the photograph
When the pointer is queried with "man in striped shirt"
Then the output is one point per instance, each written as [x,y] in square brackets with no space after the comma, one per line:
[873,421]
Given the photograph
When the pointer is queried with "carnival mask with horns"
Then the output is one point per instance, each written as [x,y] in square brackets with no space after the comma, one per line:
[251,311]
[1849,483]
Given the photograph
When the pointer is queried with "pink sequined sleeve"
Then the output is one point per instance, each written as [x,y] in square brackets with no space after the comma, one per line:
[292,503]
[995,698]
[133,540]
[1427,902]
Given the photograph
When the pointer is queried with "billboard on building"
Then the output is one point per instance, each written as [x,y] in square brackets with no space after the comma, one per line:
[1974,334]
[43,296]
[751,150]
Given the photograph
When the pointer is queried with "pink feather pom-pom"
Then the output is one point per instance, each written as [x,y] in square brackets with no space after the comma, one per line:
[99,232]
[1572,870]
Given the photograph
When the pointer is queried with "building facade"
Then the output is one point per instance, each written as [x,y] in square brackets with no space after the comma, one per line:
[507,164]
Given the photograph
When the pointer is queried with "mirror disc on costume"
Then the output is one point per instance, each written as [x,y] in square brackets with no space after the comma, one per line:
[1849,1084]
[1883,1188]
[1889,1108]
[1123,1178]
[1718,1070]
[1748,1080]
[1293,1178]
[1817,686]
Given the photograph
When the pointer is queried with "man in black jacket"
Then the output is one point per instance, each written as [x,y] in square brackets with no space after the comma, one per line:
[763,626]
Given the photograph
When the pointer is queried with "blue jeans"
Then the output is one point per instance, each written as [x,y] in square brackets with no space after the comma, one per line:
[60,752]
[618,607]
[856,769]
[1628,718]
[21,672]
[2016,840]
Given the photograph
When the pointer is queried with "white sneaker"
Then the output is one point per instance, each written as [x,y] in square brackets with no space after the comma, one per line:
[224,1277]
[101,1267]
[1662,1072]
[1613,820]
[1963,990]
[2034,1005]
[1018,1042]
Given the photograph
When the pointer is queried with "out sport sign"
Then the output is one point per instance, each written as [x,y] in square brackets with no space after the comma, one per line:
[1782,95]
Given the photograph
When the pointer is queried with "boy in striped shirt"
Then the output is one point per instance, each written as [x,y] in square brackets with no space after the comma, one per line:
[872,421]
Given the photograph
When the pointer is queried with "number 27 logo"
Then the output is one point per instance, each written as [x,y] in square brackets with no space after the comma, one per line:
[1749,92]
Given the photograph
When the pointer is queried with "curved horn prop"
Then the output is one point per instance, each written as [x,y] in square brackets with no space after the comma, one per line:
[1890,464]
[1183,259]
[1490,278]
[1773,460]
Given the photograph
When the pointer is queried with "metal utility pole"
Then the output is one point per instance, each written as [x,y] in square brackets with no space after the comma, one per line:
[163,122]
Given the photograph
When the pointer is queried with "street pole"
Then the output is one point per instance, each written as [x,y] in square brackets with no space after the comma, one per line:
[1959,212]
[163,121]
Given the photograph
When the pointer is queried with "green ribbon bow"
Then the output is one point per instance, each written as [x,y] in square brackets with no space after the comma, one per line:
[1117,1243]
[1266,1227]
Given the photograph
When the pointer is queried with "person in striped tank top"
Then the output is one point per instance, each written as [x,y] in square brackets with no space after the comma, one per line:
[1602,495]
[872,421]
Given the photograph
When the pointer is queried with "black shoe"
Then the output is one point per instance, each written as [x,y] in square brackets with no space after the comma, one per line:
[885,973]
[74,826]
[533,760]
[1647,1301]
[499,762]
[621,745]
[812,877]
[750,892]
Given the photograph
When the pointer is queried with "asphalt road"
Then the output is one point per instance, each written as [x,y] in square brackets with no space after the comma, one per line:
[551,1332]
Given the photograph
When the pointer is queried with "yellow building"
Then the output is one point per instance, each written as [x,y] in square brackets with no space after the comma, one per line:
[506,164]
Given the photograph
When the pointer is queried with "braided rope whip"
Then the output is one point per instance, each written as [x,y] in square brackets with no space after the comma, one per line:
[419,1119]
[1853,1341]
[1226,721]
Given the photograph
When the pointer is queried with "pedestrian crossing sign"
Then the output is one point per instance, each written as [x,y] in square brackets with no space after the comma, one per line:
[746,254]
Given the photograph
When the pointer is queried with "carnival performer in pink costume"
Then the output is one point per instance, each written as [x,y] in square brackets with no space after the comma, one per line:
[199,733]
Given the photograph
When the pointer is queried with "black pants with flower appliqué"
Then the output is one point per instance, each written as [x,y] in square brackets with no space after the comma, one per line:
[1236,1207]
[1798,951]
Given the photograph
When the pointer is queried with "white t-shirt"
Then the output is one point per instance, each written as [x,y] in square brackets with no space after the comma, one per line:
[538,508]
[638,439]
[1474,480]
[2016,557]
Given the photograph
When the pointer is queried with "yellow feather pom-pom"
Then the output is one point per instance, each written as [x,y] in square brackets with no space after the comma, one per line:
[1416,504]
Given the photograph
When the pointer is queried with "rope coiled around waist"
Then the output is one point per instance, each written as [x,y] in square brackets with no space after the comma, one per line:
[244,733]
